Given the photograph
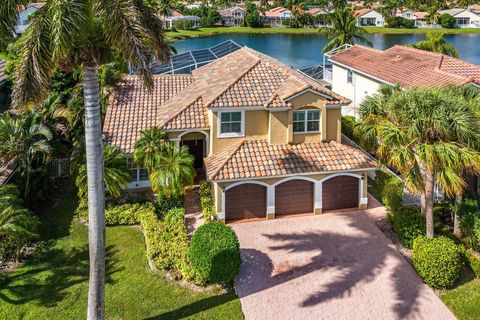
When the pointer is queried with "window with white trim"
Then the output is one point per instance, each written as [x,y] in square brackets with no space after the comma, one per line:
[306,121]
[349,76]
[137,174]
[231,124]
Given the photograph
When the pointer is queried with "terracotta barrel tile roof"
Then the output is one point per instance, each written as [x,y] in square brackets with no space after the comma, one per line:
[257,159]
[241,79]
[408,67]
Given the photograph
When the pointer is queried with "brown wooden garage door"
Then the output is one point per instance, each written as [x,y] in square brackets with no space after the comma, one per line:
[294,196]
[246,201]
[339,193]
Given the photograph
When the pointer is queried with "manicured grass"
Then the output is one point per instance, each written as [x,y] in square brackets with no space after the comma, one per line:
[53,283]
[464,300]
[181,34]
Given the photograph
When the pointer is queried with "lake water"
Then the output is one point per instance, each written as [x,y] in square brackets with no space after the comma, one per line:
[302,51]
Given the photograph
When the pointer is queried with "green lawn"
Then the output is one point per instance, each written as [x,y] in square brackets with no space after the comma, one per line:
[216,30]
[464,300]
[53,283]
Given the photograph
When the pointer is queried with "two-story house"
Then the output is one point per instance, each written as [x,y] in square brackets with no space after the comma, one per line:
[233,16]
[267,136]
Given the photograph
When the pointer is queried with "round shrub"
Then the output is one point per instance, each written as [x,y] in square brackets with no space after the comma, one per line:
[438,261]
[215,253]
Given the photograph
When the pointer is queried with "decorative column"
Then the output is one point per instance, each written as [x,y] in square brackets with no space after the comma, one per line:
[362,194]
[317,208]
[270,202]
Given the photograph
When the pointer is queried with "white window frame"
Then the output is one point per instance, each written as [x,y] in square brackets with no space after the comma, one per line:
[136,170]
[231,134]
[305,121]
[350,76]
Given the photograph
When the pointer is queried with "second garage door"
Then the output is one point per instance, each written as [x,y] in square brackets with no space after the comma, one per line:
[339,193]
[294,196]
[246,201]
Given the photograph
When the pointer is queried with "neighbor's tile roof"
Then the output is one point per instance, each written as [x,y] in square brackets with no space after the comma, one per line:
[409,67]
[241,79]
[256,159]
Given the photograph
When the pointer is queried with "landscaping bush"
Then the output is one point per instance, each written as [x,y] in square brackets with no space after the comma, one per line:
[409,224]
[252,20]
[166,240]
[473,261]
[167,203]
[446,21]
[122,214]
[215,253]
[469,215]
[437,260]
[348,123]
[388,189]
[400,22]
[183,25]
[207,203]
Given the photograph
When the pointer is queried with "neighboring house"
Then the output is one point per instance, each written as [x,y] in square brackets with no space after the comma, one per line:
[276,16]
[475,8]
[464,18]
[233,16]
[24,13]
[321,17]
[359,71]
[421,19]
[269,136]
[369,17]
[177,16]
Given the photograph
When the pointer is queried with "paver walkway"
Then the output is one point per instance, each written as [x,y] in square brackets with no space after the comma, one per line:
[193,212]
[332,266]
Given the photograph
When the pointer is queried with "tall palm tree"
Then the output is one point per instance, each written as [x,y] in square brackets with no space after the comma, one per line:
[429,135]
[344,30]
[173,172]
[436,42]
[149,147]
[24,139]
[86,33]
[116,176]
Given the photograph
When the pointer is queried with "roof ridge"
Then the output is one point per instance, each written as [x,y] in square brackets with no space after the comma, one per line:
[177,114]
[235,82]
[227,159]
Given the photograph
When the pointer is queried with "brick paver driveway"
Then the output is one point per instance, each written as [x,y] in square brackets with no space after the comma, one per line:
[332,266]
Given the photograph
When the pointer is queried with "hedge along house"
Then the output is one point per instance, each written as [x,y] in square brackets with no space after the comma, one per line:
[268,137]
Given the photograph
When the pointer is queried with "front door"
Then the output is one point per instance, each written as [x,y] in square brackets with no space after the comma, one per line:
[196,149]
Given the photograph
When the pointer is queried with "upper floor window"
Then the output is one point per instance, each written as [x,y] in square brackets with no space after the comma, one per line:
[349,76]
[231,124]
[306,121]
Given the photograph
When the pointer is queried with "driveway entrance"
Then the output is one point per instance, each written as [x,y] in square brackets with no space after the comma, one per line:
[338,265]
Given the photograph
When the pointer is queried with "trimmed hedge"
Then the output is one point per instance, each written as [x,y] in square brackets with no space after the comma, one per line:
[123,214]
[215,253]
[473,260]
[165,204]
[409,224]
[438,261]
[207,203]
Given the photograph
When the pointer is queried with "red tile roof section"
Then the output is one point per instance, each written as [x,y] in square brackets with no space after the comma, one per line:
[409,67]
[257,159]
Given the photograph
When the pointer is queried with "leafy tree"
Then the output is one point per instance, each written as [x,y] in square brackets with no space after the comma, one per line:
[446,21]
[116,177]
[149,147]
[464,3]
[428,134]
[436,42]
[340,4]
[213,17]
[344,30]
[24,139]
[86,33]
[17,224]
[173,171]
[252,20]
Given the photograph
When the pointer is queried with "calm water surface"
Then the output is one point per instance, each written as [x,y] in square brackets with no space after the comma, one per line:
[302,51]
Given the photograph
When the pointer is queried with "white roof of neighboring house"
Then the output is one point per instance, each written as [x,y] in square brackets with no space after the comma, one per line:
[456,11]
[362,12]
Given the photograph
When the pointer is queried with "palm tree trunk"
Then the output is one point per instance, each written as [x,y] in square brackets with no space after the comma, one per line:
[429,194]
[96,193]
[456,220]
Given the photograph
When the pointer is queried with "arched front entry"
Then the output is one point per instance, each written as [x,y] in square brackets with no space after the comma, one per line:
[245,201]
[340,192]
[294,196]
[197,144]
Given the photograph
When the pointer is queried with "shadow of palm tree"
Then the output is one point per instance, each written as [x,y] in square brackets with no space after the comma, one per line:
[50,272]
[352,259]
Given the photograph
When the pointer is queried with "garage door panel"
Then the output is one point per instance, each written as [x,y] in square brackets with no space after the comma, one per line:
[340,192]
[246,201]
[294,196]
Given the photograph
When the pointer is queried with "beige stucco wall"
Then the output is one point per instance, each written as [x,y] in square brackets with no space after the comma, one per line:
[278,127]
[334,124]
[256,128]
